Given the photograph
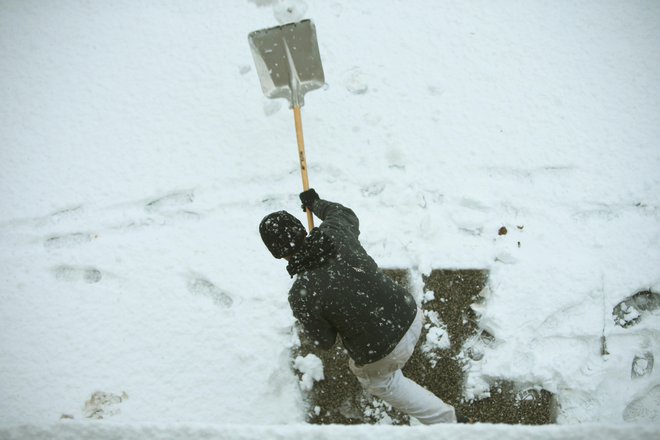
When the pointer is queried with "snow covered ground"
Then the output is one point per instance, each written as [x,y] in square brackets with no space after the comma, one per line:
[111,431]
[138,155]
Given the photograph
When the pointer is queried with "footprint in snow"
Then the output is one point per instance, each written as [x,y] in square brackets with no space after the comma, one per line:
[373,189]
[88,275]
[577,406]
[645,408]
[68,240]
[171,206]
[102,405]
[642,365]
[203,287]
[630,311]
[475,347]
[175,199]
[65,213]
[355,82]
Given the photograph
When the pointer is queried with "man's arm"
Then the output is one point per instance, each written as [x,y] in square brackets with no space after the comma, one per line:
[317,328]
[320,331]
[332,214]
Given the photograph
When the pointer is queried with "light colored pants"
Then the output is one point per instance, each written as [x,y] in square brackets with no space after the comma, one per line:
[385,380]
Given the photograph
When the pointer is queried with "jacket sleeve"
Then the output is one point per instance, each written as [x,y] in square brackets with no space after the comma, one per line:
[336,216]
[320,331]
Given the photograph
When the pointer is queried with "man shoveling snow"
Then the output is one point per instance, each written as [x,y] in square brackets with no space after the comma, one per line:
[339,289]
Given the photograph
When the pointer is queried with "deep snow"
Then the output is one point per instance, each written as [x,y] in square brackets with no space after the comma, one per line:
[138,156]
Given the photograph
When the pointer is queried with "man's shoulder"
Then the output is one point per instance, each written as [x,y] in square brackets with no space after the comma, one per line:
[342,237]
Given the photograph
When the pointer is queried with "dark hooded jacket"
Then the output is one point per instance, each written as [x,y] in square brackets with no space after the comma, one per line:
[349,295]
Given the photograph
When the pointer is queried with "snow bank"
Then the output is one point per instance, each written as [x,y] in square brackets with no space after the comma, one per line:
[309,432]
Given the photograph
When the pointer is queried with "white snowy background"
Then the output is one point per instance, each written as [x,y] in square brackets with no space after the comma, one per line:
[138,155]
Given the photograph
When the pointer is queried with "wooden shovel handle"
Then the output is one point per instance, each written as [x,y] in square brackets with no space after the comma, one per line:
[303,161]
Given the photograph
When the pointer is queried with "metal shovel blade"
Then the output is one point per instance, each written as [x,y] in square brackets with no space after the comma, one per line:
[288,61]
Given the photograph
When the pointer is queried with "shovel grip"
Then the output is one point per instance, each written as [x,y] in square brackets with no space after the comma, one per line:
[303,161]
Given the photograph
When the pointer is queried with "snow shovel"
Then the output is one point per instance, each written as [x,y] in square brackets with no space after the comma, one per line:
[289,65]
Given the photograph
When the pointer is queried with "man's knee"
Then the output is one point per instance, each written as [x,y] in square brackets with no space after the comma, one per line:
[380,386]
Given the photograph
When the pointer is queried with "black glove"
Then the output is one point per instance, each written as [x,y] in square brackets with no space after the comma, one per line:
[308,198]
